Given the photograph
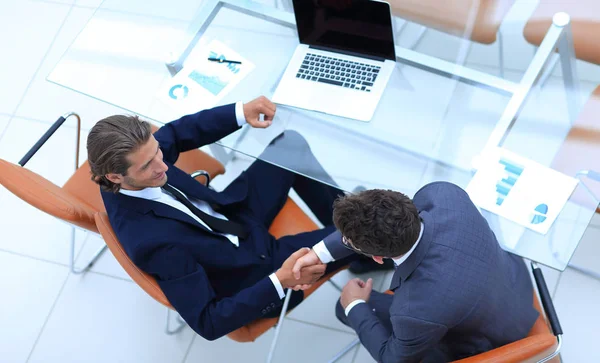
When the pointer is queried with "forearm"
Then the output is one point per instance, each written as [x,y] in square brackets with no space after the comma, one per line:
[373,335]
[196,130]
[410,341]
[334,246]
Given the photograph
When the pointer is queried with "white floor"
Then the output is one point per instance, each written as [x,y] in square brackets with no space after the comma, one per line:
[50,315]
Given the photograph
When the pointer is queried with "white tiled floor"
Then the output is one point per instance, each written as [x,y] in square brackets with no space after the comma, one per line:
[49,315]
[30,288]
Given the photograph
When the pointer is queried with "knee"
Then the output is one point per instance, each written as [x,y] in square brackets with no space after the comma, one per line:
[295,139]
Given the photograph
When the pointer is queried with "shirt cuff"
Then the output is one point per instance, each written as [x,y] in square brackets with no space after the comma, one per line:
[353,304]
[323,253]
[277,285]
[239,113]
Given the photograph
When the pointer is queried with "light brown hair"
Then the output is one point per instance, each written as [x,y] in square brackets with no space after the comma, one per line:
[109,143]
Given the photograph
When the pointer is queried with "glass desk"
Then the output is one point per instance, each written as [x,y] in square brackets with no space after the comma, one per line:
[419,133]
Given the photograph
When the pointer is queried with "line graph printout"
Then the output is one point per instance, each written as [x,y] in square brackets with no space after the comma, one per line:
[201,84]
[519,189]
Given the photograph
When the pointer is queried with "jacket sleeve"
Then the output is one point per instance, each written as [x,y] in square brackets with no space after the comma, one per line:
[196,130]
[187,287]
[336,248]
[410,341]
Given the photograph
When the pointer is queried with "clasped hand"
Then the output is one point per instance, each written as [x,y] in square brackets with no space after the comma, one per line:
[257,107]
[293,274]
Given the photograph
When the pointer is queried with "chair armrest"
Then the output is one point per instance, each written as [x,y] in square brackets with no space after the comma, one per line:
[58,123]
[522,350]
[546,299]
[203,173]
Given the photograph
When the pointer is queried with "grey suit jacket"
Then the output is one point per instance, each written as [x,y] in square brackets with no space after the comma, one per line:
[457,295]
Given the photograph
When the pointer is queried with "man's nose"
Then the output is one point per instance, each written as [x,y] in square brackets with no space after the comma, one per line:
[163,166]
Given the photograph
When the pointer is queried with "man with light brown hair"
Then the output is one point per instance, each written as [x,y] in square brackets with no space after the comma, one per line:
[211,252]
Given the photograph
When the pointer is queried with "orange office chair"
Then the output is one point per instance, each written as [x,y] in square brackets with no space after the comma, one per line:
[453,17]
[77,200]
[585,25]
[290,220]
[542,344]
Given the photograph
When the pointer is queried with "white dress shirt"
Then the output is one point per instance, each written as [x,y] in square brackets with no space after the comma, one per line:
[325,256]
[159,195]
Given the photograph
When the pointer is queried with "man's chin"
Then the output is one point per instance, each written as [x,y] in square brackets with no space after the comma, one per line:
[163,181]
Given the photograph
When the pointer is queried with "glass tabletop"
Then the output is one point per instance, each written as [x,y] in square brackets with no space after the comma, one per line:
[428,126]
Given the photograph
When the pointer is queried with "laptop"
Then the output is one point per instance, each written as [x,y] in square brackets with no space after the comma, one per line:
[344,60]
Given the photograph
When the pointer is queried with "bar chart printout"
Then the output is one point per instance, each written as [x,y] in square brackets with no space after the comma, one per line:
[519,189]
[513,171]
[201,84]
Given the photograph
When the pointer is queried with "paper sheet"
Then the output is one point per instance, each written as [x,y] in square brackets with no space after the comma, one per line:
[203,83]
[519,189]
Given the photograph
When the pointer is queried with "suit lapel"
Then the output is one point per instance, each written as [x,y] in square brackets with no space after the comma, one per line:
[407,267]
[396,281]
[159,209]
[166,211]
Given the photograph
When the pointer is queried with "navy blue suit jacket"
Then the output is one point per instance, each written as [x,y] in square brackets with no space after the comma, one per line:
[457,294]
[215,286]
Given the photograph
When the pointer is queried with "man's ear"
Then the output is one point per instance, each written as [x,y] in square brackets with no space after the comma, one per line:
[378,259]
[115,178]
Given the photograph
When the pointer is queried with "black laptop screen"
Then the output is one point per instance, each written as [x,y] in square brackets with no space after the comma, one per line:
[357,27]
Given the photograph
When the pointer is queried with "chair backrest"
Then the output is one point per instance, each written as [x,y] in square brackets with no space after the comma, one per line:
[585,24]
[47,196]
[145,281]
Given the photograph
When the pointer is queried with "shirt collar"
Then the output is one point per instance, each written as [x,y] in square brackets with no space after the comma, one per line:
[153,193]
[399,260]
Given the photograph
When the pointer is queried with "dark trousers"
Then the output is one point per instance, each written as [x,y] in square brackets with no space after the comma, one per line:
[265,200]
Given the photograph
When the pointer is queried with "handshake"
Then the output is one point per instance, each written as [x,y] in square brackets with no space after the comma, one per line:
[302,269]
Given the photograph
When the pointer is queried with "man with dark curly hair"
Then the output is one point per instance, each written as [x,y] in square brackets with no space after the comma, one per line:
[456,293]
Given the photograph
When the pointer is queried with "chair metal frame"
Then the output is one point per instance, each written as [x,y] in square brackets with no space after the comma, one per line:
[42,140]
[559,35]
[547,305]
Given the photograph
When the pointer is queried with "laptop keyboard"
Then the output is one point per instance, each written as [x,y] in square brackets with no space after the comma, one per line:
[338,72]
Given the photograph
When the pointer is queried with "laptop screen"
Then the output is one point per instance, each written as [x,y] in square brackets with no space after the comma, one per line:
[355,27]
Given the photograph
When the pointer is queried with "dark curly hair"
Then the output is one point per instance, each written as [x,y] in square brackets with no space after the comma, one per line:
[378,222]
[109,143]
